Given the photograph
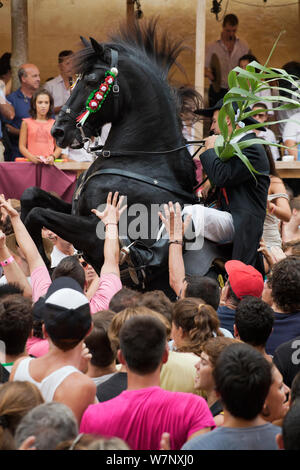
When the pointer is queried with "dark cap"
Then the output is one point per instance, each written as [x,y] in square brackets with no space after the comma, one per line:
[66,311]
[208,112]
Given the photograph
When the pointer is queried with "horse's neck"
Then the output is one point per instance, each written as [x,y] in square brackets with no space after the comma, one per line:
[149,123]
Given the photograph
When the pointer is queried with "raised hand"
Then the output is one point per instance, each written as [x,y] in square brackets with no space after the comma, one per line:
[112,211]
[7,208]
[173,221]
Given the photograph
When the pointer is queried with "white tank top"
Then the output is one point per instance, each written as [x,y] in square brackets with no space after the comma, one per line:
[49,384]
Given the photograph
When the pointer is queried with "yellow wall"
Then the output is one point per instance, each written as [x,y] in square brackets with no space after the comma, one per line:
[56,24]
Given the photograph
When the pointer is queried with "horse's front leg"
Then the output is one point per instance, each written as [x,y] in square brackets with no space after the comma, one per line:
[36,197]
[80,231]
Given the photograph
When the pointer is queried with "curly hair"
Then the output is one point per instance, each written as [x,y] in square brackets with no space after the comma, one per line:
[285,282]
[198,320]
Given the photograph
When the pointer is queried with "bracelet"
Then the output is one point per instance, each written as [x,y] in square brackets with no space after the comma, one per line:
[7,261]
[110,223]
[177,242]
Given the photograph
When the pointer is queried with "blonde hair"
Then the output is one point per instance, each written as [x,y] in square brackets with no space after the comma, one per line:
[120,318]
[16,399]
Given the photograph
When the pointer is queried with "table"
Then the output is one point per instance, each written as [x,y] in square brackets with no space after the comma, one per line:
[288,169]
[15,177]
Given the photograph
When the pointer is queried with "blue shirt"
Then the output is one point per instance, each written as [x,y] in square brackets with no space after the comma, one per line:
[226,316]
[286,326]
[21,103]
[223,438]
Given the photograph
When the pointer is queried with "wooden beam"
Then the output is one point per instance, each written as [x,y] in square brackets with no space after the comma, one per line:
[19,38]
[130,11]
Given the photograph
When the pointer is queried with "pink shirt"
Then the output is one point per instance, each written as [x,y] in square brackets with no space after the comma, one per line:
[39,138]
[109,285]
[139,417]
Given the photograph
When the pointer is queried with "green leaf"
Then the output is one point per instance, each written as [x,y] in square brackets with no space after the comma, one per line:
[222,123]
[232,82]
[244,159]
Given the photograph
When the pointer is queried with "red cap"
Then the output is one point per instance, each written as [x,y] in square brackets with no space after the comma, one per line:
[244,279]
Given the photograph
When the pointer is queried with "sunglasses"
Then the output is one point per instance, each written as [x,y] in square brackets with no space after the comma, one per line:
[83,264]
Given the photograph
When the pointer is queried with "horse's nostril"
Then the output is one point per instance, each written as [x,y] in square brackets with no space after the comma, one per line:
[58,132]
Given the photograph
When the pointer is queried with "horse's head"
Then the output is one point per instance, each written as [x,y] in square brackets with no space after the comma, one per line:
[94,99]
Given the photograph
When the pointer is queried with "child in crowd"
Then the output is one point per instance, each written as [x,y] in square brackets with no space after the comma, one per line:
[35,141]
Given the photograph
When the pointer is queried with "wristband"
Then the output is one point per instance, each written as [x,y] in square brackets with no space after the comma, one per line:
[177,242]
[7,261]
[110,223]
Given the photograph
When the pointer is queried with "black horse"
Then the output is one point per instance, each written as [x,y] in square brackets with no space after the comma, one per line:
[144,156]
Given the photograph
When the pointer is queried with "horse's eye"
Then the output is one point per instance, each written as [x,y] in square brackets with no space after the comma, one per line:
[91,79]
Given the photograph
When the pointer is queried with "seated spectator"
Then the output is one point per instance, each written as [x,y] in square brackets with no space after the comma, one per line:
[291,230]
[124,298]
[102,365]
[243,379]
[243,62]
[49,424]
[289,438]
[276,404]
[35,140]
[16,399]
[204,380]
[29,77]
[291,135]
[268,134]
[243,280]
[253,323]
[285,282]
[144,411]
[193,323]
[7,111]
[15,328]
[67,320]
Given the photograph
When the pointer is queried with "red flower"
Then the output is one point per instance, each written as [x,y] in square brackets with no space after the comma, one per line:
[103,87]
[93,104]
[98,96]
[109,80]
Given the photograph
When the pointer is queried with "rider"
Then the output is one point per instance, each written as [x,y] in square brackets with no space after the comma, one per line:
[242,199]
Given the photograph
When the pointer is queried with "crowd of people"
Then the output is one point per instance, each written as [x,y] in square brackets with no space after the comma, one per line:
[90,364]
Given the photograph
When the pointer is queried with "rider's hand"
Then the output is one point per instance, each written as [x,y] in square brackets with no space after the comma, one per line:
[210,142]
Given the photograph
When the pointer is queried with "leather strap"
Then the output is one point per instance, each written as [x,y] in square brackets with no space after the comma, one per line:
[145,179]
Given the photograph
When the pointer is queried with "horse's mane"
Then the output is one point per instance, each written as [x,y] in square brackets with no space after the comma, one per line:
[139,39]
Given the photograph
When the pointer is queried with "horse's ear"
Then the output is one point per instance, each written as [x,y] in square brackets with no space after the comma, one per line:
[98,48]
[84,41]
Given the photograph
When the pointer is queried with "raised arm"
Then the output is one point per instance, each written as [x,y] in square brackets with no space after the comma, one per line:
[175,229]
[12,270]
[110,217]
[23,238]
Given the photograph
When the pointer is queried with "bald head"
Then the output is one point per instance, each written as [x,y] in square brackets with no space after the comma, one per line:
[29,76]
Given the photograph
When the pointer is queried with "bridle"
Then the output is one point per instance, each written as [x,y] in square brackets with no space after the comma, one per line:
[93,104]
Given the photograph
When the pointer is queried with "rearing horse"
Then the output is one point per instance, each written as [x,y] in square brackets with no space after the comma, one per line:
[123,82]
